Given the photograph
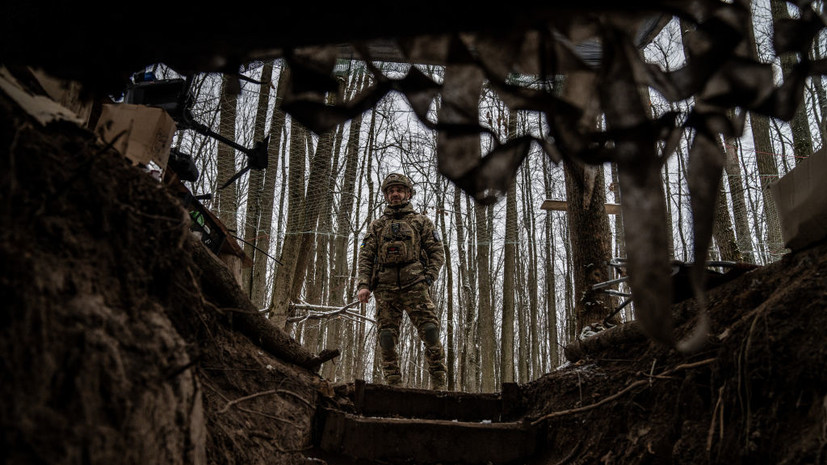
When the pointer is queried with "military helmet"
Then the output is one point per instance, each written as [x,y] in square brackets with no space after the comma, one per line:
[399,180]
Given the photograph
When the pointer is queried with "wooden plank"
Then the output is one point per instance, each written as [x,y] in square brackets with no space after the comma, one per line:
[396,440]
[802,205]
[562,205]
[379,400]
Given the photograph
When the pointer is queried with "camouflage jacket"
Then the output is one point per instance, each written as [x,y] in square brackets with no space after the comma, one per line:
[377,267]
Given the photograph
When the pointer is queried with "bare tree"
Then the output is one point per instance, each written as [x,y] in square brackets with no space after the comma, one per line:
[339,280]
[316,189]
[736,193]
[486,311]
[318,290]
[467,302]
[258,284]
[226,201]
[800,124]
[283,280]
[568,276]
[588,223]
[450,346]
[549,282]
[255,189]
[533,329]
[819,95]
[614,187]
[722,229]
[765,159]
[510,251]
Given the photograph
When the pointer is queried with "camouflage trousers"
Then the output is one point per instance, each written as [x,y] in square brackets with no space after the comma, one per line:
[416,302]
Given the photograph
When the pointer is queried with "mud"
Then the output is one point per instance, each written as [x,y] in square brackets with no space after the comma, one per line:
[113,353]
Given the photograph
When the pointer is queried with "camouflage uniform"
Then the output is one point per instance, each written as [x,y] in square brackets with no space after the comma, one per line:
[404,285]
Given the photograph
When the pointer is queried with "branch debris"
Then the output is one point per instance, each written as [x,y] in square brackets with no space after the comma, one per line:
[318,312]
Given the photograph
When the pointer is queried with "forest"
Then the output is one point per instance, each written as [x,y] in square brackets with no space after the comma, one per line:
[518,282]
[619,286]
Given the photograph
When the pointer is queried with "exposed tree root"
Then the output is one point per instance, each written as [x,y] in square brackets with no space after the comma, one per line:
[217,280]
[621,392]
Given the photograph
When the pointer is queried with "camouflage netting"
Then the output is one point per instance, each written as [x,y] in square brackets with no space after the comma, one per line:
[719,76]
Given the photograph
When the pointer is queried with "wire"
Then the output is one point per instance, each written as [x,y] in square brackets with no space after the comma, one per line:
[253,246]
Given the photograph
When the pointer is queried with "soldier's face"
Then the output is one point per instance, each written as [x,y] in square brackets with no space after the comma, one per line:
[396,195]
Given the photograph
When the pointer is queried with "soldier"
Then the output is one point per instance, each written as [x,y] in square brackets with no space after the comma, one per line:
[400,257]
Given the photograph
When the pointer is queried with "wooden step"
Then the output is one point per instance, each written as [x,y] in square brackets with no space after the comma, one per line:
[376,400]
[421,441]
[390,424]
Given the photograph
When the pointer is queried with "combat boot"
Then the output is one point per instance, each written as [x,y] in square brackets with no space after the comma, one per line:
[438,379]
[393,380]
[392,374]
[435,355]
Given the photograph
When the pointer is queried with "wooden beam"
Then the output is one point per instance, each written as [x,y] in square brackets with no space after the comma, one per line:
[562,205]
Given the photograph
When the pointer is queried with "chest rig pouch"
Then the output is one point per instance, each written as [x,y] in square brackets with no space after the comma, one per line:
[399,244]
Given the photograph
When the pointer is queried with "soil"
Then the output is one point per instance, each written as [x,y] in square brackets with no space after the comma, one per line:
[113,352]
[755,394]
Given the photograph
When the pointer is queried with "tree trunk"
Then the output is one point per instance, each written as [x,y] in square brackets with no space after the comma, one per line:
[620,242]
[253,228]
[364,179]
[589,230]
[820,96]
[682,177]
[218,281]
[767,167]
[473,266]
[758,224]
[318,274]
[529,224]
[571,318]
[522,333]
[588,225]
[316,189]
[739,206]
[722,230]
[343,231]
[549,282]
[507,369]
[466,302]
[201,148]
[284,193]
[258,285]
[283,281]
[722,227]
[510,247]
[450,346]
[800,124]
[486,318]
[524,329]
[226,201]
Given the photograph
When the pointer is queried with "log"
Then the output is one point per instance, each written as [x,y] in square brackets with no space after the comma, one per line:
[225,291]
[620,334]
[683,308]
